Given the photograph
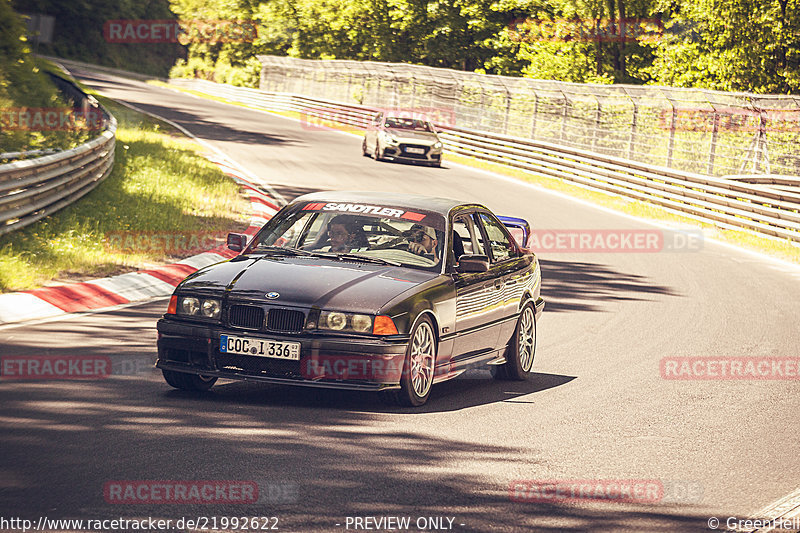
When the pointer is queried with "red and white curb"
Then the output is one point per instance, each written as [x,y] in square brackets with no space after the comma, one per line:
[139,286]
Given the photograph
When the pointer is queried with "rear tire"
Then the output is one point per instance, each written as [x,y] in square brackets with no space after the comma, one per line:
[521,351]
[417,379]
[364,148]
[190,382]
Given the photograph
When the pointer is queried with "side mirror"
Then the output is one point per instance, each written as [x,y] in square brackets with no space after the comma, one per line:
[237,241]
[472,263]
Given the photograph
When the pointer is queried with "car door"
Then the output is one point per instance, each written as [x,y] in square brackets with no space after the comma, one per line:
[510,268]
[478,300]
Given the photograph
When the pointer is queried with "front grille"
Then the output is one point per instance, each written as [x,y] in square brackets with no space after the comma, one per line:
[246,316]
[285,320]
[260,366]
[414,156]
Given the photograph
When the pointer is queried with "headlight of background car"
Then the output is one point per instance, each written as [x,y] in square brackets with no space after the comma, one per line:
[389,138]
[207,308]
[336,321]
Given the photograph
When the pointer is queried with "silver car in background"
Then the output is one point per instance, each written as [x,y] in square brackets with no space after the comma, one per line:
[402,139]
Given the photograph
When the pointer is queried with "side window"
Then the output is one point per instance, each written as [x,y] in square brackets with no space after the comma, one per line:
[377,120]
[471,240]
[501,246]
[461,228]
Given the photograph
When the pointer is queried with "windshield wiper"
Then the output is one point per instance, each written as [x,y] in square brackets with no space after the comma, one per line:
[368,259]
[282,250]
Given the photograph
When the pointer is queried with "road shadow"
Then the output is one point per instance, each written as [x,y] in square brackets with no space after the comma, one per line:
[583,285]
[64,441]
[211,130]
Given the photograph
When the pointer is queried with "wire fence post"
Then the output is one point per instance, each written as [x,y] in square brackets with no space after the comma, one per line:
[597,113]
[671,144]
[712,152]
[535,112]
[508,110]
[632,131]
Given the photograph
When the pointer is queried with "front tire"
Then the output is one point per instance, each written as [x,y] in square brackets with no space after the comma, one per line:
[377,153]
[190,382]
[521,351]
[417,378]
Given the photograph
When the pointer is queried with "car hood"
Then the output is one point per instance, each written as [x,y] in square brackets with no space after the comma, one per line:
[307,282]
[420,137]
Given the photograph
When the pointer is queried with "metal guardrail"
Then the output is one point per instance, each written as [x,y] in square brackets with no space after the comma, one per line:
[35,188]
[727,203]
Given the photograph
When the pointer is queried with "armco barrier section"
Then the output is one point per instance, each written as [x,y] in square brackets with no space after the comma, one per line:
[34,188]
[768,209]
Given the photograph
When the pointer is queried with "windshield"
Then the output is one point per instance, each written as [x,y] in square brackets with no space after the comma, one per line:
[352,231]
[408,124]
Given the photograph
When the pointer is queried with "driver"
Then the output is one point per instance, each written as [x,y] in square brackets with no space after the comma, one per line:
[346,234]
[423,241]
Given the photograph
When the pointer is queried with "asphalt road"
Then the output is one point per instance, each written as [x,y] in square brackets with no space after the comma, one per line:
[597,409]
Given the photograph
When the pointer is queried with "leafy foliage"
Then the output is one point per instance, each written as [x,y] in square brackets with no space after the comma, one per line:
[750,45]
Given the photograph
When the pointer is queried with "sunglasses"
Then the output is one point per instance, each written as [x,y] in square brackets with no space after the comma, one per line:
[418,236]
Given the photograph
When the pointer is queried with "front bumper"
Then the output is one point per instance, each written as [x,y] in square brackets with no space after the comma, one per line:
[355,363]
[400,153]
[539,307]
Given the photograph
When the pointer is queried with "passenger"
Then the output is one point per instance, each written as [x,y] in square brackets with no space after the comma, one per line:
[346,234]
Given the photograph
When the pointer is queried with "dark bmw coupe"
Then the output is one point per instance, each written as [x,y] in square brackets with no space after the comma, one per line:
[362,291]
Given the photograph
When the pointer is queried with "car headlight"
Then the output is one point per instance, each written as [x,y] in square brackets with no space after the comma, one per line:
[389,138]
[337,321]
[191,306]
[437,145]
[211,308]
[334,321]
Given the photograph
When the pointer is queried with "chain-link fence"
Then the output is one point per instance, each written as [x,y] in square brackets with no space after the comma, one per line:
[701,131]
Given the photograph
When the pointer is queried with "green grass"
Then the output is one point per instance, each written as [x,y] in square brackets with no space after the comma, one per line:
[779,248]
[160,183]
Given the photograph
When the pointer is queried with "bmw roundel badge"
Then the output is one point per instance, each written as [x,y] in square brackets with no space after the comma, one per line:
[272,295]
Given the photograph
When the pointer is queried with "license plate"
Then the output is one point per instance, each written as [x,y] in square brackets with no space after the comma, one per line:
[412,150]
[259,347]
